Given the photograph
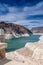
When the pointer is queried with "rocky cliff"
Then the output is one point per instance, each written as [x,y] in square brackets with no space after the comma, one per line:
[11,29]
[37,30]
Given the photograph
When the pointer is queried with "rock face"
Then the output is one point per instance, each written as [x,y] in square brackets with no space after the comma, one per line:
[11,28]
[37,30]
[32,54]
[2,50]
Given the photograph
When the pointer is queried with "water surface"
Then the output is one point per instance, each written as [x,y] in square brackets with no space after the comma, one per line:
[17,43]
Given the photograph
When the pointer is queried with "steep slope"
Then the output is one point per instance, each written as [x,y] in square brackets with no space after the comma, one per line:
[11,28]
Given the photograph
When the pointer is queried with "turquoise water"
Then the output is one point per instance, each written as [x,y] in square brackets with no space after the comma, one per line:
[17,43]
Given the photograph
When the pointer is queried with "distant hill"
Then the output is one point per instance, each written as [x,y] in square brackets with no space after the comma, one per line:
[12,30]
[37,30]
[9,27]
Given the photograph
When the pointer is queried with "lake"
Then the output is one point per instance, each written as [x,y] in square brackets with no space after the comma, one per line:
[17,43]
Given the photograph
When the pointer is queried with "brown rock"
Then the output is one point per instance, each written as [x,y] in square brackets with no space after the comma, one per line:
[2,53]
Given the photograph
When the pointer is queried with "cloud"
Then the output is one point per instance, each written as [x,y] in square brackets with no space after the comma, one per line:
[33,17]
[3,9]
[29,16]
[21,3]
[30,23]
[34,10]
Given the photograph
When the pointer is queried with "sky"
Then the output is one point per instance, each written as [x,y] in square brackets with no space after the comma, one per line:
[28,13]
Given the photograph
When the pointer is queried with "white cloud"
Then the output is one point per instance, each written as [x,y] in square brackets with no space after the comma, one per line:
[18,15]
[34,10]
[29,24]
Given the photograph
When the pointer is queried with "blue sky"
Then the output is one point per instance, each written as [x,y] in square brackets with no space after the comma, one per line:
[28,13]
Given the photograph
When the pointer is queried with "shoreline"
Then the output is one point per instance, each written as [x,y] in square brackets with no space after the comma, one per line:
[10,36]
[38,33]
[31,54]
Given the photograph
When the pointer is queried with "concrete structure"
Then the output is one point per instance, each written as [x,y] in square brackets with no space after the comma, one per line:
[2,44]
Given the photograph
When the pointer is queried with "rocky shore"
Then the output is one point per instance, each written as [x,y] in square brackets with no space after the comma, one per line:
[31,54]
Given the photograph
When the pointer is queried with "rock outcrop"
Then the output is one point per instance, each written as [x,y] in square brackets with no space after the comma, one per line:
[31,54]
[2,50]
[14,30]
